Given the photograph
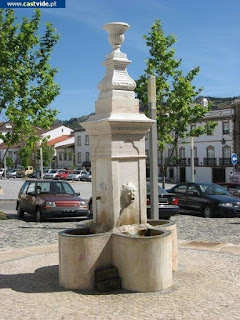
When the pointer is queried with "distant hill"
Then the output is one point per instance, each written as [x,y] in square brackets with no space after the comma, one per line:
[73,123]
[217,103]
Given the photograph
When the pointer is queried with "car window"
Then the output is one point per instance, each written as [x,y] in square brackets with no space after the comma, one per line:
[213,189]
[182,188]
[31,187]
[44,187]
[24,187]
[192,190]
[66,188]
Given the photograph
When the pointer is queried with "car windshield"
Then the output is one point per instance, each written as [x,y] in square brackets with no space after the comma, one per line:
[54,187]
[213,189]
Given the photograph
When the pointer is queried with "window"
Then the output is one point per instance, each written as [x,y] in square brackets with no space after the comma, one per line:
[182,188]
[170,153]
[192,190]
[79,140]
[195,152]
[87,140]
[10,154]
[31,187]
[210,152]
[209,132]
[70,156]
[65,156]
[79,157]
[182,153]
[226,127]
[226,152]
[87,156]
[60,157]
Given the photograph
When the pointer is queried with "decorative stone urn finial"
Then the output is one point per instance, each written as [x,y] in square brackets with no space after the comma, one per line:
[116,77]
[115,32]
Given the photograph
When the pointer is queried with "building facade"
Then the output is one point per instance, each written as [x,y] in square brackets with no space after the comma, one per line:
[212,151]
[82,149]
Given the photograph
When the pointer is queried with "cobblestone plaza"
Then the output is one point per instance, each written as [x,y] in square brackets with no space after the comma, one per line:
[206,285]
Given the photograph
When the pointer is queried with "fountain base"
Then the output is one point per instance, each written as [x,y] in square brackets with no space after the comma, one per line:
[142,256]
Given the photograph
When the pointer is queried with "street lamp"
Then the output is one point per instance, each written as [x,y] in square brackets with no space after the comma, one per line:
[223,141]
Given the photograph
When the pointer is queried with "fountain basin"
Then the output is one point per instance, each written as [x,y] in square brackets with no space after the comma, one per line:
[171,226]
[81,252]
[144,260]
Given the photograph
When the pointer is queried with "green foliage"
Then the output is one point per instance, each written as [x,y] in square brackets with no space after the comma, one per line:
[27,84]
[175,93]
[3,216]
[47,153]
[9,162]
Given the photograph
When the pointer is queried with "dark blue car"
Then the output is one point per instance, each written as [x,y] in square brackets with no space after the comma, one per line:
[209,199]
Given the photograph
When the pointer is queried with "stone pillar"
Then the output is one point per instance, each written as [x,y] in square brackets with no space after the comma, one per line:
[117,138]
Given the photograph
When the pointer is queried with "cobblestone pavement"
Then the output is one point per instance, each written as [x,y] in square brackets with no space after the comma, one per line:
[206,285]
[16,233]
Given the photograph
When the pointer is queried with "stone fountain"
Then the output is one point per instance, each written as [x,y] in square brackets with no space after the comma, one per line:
[119,234]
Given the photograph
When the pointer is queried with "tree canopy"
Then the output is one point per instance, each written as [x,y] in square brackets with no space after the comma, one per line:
[175,93]
[27,85]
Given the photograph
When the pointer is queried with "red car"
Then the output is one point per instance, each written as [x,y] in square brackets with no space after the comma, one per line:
[49,199]
[62,175]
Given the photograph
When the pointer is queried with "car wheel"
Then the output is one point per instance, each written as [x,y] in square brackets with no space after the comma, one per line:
[38,215]
[90,211]
[207,212]
[20,212]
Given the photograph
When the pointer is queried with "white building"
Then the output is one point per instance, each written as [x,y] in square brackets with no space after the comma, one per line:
[82,149]
[212,152]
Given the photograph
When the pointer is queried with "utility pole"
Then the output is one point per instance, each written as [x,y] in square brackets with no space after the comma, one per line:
[41,162]
[153,149]
[192,159]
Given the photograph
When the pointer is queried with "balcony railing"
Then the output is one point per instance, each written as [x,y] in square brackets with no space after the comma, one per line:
[182,162]
[225,161]
[196,162]
[210,162]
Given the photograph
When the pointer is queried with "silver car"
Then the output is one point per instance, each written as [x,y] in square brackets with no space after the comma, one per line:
[76,175]
[51,173]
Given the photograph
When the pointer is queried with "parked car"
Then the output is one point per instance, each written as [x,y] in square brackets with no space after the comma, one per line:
[209,199]
[37,173]
[23,172]
[89,178]
[167,204]
[76,175]
[2,170]
[62,174]
[48,199]
[12,173]
[232,187]
[52,173]
[86,177]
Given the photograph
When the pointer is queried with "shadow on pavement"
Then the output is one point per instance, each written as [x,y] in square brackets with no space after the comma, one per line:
[44,279]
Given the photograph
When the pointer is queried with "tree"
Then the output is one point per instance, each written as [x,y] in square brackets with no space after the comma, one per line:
[176,95]
[27,84]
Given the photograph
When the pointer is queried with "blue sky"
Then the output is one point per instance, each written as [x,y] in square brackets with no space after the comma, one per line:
[207,34]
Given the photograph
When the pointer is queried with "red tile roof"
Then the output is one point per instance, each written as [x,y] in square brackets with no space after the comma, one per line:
[58,139]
